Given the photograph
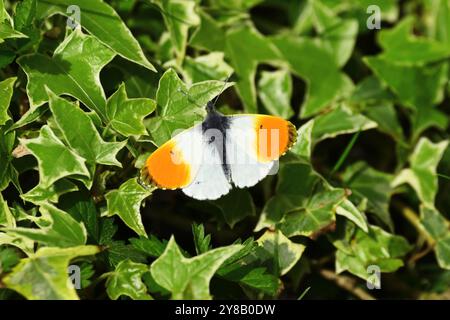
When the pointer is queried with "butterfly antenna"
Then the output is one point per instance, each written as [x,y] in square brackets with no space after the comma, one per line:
[188,97]
[223,88]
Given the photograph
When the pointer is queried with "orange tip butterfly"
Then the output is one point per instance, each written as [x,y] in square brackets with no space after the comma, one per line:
[207,159]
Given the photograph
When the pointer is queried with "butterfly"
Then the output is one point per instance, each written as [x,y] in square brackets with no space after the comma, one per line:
[205,160]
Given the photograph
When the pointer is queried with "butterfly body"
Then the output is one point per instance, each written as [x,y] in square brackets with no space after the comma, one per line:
[207,159]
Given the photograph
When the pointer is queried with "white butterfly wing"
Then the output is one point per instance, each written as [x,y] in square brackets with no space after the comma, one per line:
[210,182]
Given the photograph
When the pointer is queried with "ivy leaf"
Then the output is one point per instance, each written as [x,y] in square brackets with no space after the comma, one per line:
[402,47]
[126,280]
[340,121]
[201,242]
[80,205]
[43,275]
[421,175]
[377,247]
[125,202]
[207,67]
[235,206]
[179,16]
[418,87]
[55,160]
[246,48]
[285,252]
[366,182]
[56,229]
[336,35]
[275,91]
[8,172]
[6,217]
[317,214]
[74,70]
[289,195]
[177,110]
[303,146]
[126,115]
[309,60]
[6,91]
[8,32]
[438,228]
[201,37]
[152,246]
[52,193]
[347,209]
[99,19]
[71,120]
[188,278]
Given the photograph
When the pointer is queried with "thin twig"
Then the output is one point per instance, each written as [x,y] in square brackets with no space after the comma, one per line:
[347,283]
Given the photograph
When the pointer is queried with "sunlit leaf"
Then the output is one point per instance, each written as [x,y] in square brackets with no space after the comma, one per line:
[126,280]
[44,276]
[189,278]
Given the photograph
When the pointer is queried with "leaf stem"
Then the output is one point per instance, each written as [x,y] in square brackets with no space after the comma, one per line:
[347,150]
[347,283]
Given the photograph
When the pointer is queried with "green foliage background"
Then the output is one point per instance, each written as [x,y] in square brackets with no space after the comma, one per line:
[367,183]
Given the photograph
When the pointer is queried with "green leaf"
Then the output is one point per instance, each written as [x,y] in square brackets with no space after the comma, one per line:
[179,107]
[421,175]
[126,115]
[8,259]
[52,193]
[340,121]
[207,67]
[443,252]
[303,146]
[318,213]
[402,47]
[6,217]
[289,194]
[71,120]
[347,209]
[201,242]
[337,36]
[189,278]
[100,19]
[8,32]
[55,160]
[433,222]
[43,276]
[80,205]
[56,229]
[439,229]
[151,246]
[74,70]
[244,267]
[246,48]
[235,206]
[6,91]
[375,186]
[285,252]
[126,280]
[275,91]
[202,36]
[418,87]
[25,14]
[377,247]
[179,16]
[8,172]
[308,59]
[125,202]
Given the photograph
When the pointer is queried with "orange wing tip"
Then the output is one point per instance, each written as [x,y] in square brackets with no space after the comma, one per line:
[292,137]
[146,180]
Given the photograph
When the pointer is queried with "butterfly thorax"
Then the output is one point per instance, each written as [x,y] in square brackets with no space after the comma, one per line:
[214,129]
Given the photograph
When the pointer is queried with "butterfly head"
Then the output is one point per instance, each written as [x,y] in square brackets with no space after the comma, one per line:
[210,107]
